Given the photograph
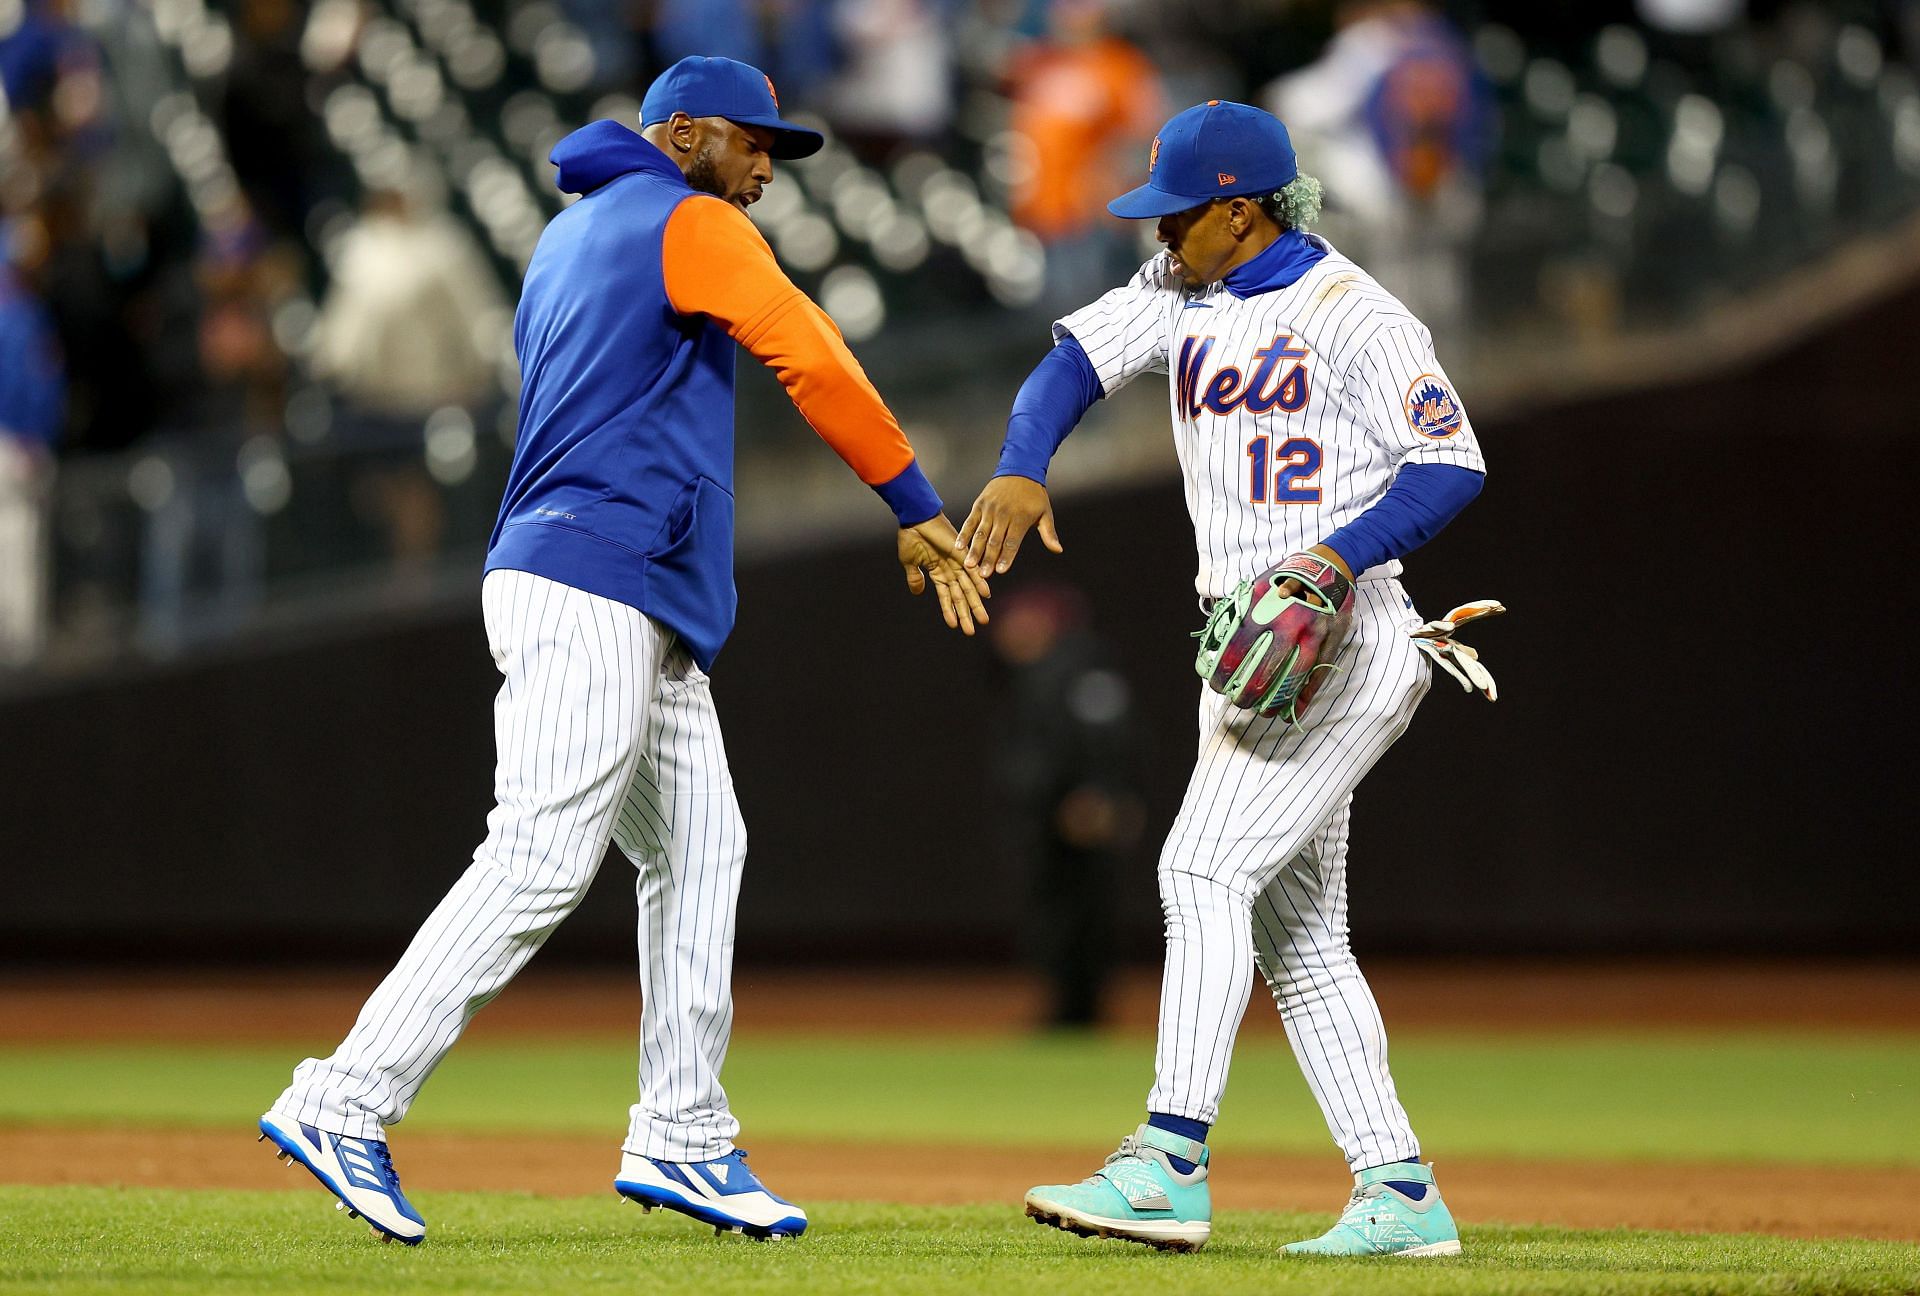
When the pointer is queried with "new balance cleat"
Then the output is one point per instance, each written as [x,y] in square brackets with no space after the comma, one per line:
[1138,1195]
[723,1192]
[357,1171]
[1382,1220]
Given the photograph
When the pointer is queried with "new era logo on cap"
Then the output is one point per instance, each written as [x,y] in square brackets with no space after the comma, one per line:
[1226,179]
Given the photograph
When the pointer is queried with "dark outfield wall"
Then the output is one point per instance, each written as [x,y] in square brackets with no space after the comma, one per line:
[1704,742]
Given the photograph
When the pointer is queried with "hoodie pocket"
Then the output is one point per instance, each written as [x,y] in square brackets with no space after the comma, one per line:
[701,512]
[690,586]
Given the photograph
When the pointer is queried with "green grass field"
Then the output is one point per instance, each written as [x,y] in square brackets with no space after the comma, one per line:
[1777,1098]
[1809,1099]
[99,1239]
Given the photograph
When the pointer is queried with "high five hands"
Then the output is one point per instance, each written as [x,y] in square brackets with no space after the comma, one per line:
[1007,509]
[931,550]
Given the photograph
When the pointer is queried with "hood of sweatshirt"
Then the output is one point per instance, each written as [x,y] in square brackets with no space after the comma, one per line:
[603,151]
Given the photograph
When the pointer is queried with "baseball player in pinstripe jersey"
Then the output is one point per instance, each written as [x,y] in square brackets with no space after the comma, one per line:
[1310,416]
[608,592]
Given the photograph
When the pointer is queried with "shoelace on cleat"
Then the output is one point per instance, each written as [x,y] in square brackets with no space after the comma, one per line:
[1129,1150]
[386,1164]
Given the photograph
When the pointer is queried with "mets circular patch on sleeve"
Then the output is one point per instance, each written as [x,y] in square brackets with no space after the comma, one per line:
[1432,409]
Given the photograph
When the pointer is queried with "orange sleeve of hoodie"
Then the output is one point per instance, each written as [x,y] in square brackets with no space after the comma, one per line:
[715,263]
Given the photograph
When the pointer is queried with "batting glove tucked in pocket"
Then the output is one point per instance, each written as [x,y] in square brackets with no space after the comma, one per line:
[1435,639]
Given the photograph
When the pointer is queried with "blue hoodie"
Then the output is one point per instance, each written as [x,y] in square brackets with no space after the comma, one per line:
[622,477]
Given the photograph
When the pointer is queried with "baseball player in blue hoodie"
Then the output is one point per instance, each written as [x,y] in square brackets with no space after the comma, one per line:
[608,592]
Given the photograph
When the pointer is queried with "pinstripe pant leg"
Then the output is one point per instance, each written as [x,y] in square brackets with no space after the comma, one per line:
[568,723]
[1260,792]
[681,827]
[1332,1021]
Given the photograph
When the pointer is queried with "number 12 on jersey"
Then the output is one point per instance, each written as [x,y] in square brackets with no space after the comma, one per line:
[1292,470]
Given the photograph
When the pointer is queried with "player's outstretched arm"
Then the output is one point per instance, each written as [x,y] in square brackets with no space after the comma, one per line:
[1061,388]
[931,550]
[1006,510]
[716,264]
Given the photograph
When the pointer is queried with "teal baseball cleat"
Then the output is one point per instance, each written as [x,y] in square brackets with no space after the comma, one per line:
[1380,1219]
[1138,1195]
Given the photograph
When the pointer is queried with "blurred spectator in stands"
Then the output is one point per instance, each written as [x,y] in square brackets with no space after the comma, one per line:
[122,298]
[1397,120]
[1085,103]
[274,138]
[32,410]
[40,54]
[1065,760]
[805,49]
[55,106]
[202,557]
[243,274]
[795,40]
[895,88]
[410,323]
[616,31]
[710,28]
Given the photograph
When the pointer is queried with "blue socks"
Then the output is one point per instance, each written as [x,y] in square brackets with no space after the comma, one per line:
[1185,1127]
[1416,1191]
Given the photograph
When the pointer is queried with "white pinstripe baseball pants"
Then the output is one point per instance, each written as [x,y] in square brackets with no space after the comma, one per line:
[1253,873]
[605,731]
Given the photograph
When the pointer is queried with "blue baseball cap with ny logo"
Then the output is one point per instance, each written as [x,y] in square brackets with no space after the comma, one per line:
[1213,150]
[724,87]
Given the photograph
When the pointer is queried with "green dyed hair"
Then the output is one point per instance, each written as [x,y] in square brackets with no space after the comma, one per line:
[1296,205]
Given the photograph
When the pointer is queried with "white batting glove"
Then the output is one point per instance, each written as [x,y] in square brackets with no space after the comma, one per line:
[1454,657]
[1453,620]
[1461,662]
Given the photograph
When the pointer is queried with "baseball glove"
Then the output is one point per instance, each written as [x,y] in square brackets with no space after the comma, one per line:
[1270,653]
[1436,640]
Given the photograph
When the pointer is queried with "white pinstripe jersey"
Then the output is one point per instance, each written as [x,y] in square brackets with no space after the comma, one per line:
[1292,409]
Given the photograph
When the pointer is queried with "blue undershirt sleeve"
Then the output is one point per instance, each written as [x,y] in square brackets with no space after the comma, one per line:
[1061,388]
[1424,497]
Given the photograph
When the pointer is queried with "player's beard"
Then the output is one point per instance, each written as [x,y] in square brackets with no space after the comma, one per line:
[704,174]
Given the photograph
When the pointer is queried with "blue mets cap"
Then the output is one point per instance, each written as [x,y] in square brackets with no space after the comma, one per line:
[723,87]
[1215,150]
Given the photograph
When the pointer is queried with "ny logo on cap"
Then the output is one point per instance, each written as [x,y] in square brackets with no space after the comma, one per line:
[1153,155]
[770,90]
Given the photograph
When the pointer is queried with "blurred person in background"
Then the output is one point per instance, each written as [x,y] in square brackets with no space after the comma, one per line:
[1065,748]
[243,274]
[411,323]
[273,136]
[116,234]
[32,410]
[203,534]
[678,29]
[895,87]
[1085,102]
[44,65]
[1402,120]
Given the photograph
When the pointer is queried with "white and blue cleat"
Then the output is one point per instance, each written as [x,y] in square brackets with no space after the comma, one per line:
[357,1171]
[723,1192]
